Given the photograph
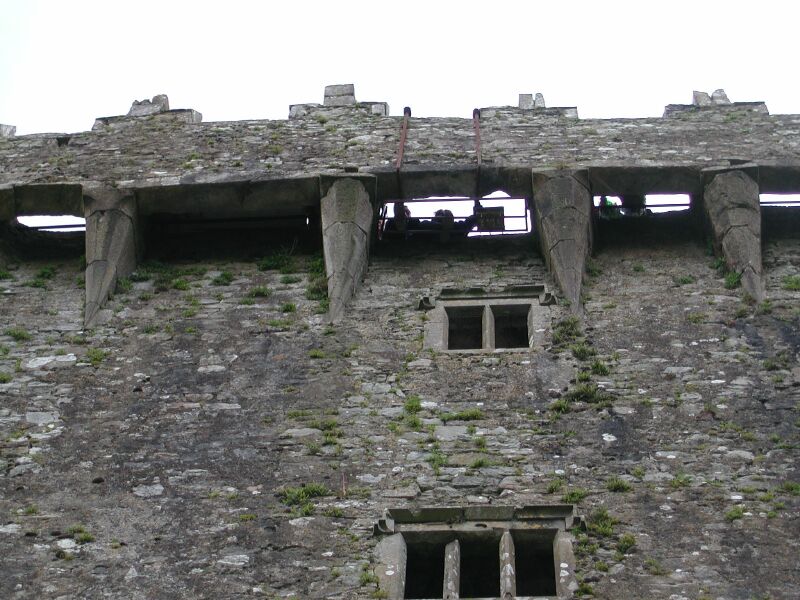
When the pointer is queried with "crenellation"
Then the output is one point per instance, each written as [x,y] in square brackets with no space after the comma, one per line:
[145,108]
[340,95]
[254,374]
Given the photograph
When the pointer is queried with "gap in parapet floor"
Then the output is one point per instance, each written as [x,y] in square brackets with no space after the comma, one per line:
[780,216]
[523,247]
[41,286]
[648,229]
[32,238]
[243,240]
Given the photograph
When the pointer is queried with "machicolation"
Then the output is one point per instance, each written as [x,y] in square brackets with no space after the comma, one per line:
[357,355]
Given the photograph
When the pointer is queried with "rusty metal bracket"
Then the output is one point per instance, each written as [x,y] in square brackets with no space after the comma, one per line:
[476,125]
[403,135]
[401,148]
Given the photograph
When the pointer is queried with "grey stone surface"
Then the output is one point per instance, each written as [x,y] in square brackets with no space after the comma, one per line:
[154,151]
[340,95]
[720,97]
[732,202]
[390,568]
[538,101]
[111,245]
[144,108]
[563,206]
[347,218]
[526,101]
[7,131]
[697,411]
[701,98]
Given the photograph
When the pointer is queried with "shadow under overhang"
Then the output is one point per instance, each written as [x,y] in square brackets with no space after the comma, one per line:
[234,200]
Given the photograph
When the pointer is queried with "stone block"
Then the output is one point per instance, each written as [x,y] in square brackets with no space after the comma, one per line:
[7,130]
[340,101]
[144,108]
[538,101]
[104,197]
[526,101]
[49,199]
[379,108]
[701,99]
[719,97]
[300,110]
[346,89]
[340,95]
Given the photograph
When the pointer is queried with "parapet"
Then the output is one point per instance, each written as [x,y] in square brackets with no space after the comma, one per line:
[144,108]
[716,101]
[158,107]
[341,95]
[529,101]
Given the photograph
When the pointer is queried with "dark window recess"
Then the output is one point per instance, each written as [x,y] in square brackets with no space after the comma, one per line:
[511,326]
[480,563]
[464,327]
[480,566]
[535,563]
[425,569]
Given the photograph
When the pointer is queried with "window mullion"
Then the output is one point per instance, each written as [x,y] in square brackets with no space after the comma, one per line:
[488,328]
[452,571]
[508,569]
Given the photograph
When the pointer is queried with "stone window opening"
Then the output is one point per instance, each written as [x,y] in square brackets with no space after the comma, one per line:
[486,320]
[476,553]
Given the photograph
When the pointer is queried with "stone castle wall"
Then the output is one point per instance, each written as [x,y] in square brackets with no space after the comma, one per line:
[216,435]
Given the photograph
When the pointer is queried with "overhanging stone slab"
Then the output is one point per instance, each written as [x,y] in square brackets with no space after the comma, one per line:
[666,179]
[779,178]
[423,182]
[49,199]
[232,199]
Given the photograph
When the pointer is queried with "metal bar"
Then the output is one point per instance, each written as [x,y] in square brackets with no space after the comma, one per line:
[403,134]
[508,575]
[49,227]
[452,571]
[476,125]
[161,221]
[456,199]
[455,231]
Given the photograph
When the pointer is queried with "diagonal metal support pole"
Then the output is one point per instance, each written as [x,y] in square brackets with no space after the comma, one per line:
[476,126]
[398,164]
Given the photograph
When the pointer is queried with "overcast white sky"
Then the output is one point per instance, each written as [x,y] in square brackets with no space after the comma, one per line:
[63,63]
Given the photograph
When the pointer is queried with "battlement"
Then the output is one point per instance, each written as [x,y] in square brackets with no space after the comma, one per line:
[259,373]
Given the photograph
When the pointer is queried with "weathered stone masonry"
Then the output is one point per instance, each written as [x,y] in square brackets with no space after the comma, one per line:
[197,428]
[528,152]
